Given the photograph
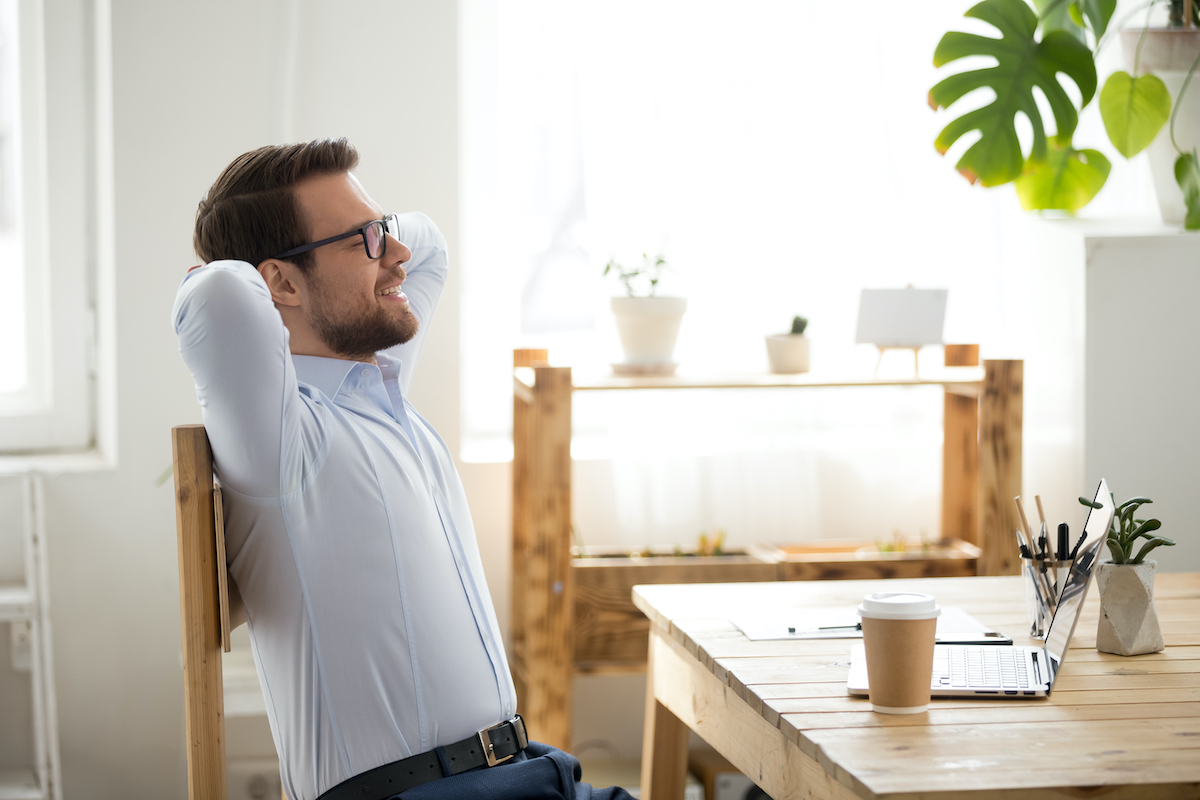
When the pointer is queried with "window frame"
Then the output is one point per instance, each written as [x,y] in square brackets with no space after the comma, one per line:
[64,216]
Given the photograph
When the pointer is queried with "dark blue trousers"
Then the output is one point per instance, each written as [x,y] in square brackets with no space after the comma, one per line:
[541,772]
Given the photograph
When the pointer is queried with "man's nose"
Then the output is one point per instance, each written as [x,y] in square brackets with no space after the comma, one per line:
[398,250]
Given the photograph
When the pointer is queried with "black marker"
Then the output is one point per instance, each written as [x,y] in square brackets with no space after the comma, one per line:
[1063,542]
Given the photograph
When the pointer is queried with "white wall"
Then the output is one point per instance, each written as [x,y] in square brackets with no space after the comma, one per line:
[195,85]
[1141,381]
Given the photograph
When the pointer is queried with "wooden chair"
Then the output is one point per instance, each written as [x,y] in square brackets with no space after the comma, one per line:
[203,610]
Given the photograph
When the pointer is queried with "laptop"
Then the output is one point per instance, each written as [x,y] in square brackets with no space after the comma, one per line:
[1013,671]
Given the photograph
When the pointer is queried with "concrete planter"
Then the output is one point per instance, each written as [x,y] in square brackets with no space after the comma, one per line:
[1128,622]
[787,353]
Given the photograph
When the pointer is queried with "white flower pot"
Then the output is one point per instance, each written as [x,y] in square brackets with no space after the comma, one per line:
[787,353]
[1128,622]
[648,327]
[1168,54]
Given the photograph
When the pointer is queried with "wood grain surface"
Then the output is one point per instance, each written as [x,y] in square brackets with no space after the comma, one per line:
[1113,727]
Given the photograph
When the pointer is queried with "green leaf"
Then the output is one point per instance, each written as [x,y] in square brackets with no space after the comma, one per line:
[1187,175]
[1134,110]
[1090,503]
[1022,63]
[1119,554]
[1056,15]
[1145,528]
[1076,14]
[1098,13]
[1150,545]
[1067,179]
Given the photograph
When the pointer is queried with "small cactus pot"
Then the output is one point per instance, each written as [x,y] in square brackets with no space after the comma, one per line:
[787,353]
[1128,622]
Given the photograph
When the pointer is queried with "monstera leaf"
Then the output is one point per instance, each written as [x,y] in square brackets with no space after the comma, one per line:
[1187,175]
[1134,110]
[1098,13]
[1067,179]
[1023,62]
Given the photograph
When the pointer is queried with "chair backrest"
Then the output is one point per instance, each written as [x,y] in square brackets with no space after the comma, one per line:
[201,575]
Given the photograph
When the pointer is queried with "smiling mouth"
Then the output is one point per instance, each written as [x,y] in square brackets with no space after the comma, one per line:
[392,291]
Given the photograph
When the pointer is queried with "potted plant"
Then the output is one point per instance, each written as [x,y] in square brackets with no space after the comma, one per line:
[648,324]
[788,352]
[1128,622]
[1036,48]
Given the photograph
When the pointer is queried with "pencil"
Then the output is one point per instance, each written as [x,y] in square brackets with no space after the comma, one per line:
[1024,522]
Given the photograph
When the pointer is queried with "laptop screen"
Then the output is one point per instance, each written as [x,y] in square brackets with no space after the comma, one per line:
[1074,591]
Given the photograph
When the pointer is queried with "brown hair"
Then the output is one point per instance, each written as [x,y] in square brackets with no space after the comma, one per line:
[251,214]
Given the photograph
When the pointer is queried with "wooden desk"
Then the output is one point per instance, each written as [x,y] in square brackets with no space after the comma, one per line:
[1114,727]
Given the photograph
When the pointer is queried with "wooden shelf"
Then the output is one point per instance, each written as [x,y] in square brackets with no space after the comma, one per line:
[19,784]
[575,616]
[16,603]
[965,381]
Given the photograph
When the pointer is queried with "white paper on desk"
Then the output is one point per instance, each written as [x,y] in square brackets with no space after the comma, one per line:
[807,623]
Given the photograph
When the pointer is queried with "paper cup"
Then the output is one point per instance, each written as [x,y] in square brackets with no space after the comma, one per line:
[898,634]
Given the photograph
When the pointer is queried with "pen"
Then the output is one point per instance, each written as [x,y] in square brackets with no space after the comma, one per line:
[1022,547]
[1037,498]
[1043,556]
[1041,587]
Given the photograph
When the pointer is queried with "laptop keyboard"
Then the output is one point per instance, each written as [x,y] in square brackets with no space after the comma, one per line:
[964,667]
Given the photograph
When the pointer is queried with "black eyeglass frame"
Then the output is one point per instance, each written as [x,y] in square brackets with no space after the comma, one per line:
[304,248]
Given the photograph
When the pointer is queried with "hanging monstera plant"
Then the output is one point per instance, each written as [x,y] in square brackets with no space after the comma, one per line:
[1039,47]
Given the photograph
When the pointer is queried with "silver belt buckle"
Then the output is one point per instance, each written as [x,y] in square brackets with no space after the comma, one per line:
[488,749]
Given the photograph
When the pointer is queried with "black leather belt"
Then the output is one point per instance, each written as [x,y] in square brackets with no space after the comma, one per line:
[489,747]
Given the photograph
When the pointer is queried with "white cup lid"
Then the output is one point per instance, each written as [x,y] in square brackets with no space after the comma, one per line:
[899,605]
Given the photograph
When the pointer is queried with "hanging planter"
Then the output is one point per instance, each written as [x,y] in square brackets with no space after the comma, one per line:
[1169,53]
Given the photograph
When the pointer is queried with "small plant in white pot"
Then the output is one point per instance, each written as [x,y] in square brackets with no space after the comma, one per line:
[787,353]
[1128,621]
[647,323]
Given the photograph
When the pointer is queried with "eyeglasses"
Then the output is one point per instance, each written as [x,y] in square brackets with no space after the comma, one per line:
[374,235]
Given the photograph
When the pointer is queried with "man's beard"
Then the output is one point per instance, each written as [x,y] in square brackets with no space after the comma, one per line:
[359,335]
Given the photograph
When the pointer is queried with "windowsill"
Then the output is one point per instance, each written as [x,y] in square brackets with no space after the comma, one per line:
[94,460]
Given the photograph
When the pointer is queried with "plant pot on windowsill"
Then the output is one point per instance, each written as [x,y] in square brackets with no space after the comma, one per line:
[649,328]
[1128,622]
[648,324]
[787,353]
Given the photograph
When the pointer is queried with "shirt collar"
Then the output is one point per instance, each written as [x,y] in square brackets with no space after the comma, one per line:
[329,374]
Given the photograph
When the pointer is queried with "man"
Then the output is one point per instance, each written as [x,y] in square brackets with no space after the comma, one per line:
[347,529]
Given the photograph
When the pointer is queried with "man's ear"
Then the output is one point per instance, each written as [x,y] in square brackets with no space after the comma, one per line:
[284,280]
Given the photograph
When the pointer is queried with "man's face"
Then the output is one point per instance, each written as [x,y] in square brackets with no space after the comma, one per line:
[353,304]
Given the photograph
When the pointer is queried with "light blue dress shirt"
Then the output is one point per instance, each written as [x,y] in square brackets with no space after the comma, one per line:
[347,533]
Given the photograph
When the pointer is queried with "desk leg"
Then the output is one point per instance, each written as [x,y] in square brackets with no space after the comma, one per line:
[664,745]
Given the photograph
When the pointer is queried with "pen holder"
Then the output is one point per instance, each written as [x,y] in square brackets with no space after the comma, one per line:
[1041,593]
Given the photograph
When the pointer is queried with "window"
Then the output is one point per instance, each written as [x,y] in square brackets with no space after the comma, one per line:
[781,155]
[53,173]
